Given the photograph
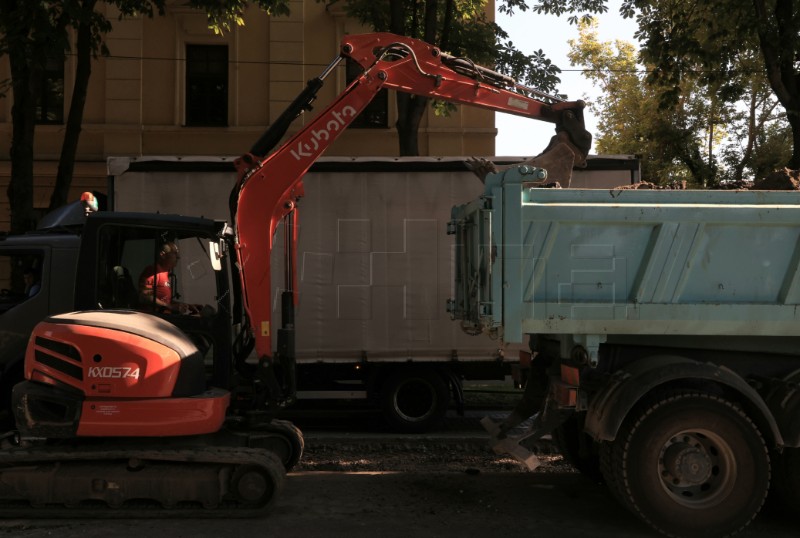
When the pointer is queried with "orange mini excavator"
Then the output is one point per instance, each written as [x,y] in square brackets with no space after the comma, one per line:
[117,412]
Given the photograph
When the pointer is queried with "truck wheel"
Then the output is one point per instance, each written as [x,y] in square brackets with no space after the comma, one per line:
[786,483]
[415,401]
[690,464]
[578,448]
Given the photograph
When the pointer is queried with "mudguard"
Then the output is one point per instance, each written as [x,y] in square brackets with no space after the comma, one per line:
[629,385]
[783,400]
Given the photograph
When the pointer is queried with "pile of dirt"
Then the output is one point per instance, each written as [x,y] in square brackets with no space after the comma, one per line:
[646,185]
[779,180]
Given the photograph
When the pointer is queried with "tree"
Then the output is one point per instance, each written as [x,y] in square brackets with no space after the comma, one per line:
[712,42]
[22,24]
[35,31]
[460,28]
[759,138]
[682,141]
[625,109]
[620,109]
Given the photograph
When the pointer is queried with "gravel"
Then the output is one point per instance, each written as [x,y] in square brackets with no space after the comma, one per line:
[456,452]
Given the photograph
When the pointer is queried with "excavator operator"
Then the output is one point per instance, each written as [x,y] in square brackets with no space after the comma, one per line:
[155,288]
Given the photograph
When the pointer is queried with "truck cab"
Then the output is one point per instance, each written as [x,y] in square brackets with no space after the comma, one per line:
[52,255]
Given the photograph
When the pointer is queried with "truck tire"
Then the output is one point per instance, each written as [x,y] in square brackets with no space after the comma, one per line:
[689,464]
[414,401]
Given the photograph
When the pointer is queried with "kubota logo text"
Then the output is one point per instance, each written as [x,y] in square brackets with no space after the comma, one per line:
[113,372]
[307,147]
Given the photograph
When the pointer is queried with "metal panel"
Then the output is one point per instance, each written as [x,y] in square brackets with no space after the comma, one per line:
[646,262]
[376,266]
[374,261]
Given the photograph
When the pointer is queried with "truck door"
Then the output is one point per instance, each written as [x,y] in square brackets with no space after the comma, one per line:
[23,303]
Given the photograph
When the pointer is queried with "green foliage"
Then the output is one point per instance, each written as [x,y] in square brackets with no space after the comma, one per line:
[225,15]
[507,7]
[759,141]
[581,10]
[534,70]
[460,28]
[625,109]
[33,32]
[709,45]
[701,42]
[723,47]
[443,108]
[700,137]
[41,27]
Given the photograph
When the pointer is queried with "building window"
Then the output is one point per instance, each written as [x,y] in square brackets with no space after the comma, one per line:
[376,114]
[50,101]
[207,85]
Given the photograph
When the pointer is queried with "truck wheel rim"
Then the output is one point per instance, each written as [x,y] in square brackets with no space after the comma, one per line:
[696,468]
[414,400]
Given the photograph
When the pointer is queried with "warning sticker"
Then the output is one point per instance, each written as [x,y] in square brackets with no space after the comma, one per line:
[518,103]
[107,410]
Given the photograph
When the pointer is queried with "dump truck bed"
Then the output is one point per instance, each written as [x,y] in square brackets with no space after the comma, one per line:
[564,261]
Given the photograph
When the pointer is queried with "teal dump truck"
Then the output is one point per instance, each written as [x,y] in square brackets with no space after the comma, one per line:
[664,329]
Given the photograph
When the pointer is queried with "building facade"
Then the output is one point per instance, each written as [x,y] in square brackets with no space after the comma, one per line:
[170,86]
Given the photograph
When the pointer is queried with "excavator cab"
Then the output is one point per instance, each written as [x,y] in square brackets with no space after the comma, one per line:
[120,250]
[123,366]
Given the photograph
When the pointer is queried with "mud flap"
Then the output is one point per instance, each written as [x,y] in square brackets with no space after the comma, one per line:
[546,420]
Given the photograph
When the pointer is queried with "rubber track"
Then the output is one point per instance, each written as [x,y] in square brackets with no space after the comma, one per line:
[213,455]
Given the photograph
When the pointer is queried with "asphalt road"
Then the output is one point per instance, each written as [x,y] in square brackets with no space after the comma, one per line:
[403,505]
[445,485]
[440,485]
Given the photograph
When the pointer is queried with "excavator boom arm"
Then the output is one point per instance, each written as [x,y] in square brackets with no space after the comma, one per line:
[428,72]
[271,186]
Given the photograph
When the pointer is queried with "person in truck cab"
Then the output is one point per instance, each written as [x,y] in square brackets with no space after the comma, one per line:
[155,287]
[32,283]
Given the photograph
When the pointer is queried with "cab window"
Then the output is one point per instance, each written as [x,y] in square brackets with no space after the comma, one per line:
[20,277]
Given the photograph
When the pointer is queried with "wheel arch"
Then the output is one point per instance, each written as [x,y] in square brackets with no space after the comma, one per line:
[631,384]
[783,398]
